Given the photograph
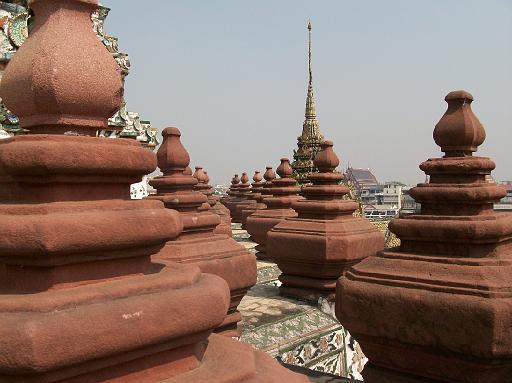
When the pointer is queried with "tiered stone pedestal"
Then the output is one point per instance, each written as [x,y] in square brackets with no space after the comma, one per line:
[224,227]
[221,210]
[232,193]
[241,198]
[439,308]
[256,195]
[314,249]
[198,244]
[297,333]
[284,192]
[250,203]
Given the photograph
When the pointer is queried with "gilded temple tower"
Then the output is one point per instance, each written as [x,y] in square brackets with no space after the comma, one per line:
[308,143]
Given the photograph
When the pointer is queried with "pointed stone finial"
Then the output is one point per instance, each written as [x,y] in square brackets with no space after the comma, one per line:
[172,156]
[269,174]
[326,160]
[245,178]
[199,174]
[202,186]
[235,180]
[284,170]
[52,83]
[257,176]
[459,132]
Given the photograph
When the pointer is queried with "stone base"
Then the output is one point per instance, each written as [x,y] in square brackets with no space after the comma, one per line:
[319,377]
[261,253]
[227,361]
[247,211]
[218,255]
[229,327]
[105,331]
[325,289]
[261,222]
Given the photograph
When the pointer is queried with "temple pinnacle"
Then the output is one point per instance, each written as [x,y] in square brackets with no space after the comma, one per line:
[310,99]
[310,139]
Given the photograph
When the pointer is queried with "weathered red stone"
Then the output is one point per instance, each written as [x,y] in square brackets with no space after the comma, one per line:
[259,191]
[187,171]
[222,210]
[224,227]
[232,193]
[80,299]
[198,244]
[284,192]
[240,197]
[233,188]
[314,249]
[251,204]
[200,186]
[439,308]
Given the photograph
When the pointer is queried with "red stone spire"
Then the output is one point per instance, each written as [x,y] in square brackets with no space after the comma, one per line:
[251,205]
[314,249]
[201,186]
[224,227]
[269,174]
[176,183]
[233,189]
[284,189]
[262,191]
[242,193]
[284,192]
[198,244]
[450,278]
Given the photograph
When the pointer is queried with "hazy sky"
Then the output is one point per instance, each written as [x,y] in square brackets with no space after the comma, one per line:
[232,75]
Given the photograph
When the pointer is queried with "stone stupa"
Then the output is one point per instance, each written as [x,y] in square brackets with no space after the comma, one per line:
[315,248]
[198,244]
[439,307]
[284,192]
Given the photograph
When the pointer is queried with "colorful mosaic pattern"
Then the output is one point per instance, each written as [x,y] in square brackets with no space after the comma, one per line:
[391,240]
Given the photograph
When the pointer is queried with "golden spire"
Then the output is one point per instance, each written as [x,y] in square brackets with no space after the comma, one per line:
[308,143]
[310,100]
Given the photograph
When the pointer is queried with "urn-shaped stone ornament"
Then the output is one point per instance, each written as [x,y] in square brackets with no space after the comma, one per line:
[62,78]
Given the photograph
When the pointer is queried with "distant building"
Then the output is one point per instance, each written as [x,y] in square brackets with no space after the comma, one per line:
[408,204]
[508,197]
[391,194]
[220,190]
[378,201]
[506,202]
[363,184]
